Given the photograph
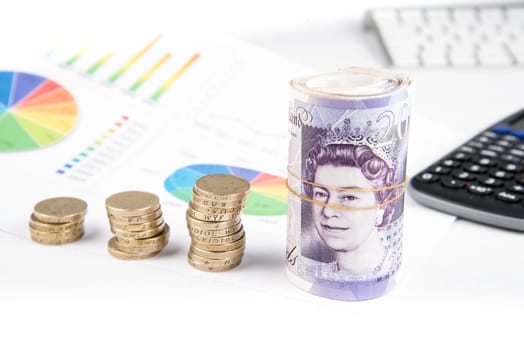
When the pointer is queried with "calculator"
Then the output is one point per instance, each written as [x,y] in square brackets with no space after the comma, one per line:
[482,179]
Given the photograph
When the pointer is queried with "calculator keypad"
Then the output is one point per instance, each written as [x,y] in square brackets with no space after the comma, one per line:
[489,165]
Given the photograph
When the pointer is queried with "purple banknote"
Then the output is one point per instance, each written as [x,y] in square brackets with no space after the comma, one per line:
[346,179]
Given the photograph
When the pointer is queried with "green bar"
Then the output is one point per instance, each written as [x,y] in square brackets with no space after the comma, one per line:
[98,64]
[75,58]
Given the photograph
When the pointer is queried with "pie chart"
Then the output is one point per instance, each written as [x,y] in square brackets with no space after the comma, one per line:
[34,111]
[267,195]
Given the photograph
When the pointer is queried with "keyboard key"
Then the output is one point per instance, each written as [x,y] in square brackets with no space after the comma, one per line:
[440,36]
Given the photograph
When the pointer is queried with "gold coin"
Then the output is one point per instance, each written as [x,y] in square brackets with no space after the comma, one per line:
[215,262]
[55,241]
[139,234]
[202,232]
[126,256]
[220,247]
[207,268]
[56,235]
[157,240]
[216,203]
[60,210]
[137,250]
[46,227]
[132,203]
[210,217]
[137,227]
[218,240]
[132,220]
[204,267]
[216,255]
[213,265]
[215,210]
[222,187]
[206,225]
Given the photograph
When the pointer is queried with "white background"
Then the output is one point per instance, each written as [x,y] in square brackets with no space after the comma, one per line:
[462,284]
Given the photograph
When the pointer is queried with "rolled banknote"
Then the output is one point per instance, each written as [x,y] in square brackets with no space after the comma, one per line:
[346,180]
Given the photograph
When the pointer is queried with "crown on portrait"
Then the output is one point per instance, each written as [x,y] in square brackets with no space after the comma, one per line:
[364,132]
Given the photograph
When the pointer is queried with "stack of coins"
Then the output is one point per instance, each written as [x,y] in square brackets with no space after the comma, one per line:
[58,220]
[136,221]
[213,220]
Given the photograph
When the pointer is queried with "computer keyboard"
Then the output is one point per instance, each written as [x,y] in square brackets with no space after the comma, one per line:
[490,35]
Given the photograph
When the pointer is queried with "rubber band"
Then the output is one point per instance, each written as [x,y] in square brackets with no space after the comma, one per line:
[341,207]
[391,187]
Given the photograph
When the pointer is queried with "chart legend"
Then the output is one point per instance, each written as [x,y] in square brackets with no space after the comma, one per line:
[267,196]
[34,111]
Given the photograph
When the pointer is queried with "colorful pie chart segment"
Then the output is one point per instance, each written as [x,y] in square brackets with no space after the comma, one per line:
[267,196]
[34,111]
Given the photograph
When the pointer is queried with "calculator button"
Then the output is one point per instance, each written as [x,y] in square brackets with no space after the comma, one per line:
[480,190]
[461,156]
[474,168]
[497,148]
[439,170]
[491,181]
[508,197]
[488,153]
[451,163]
[504,143]
[510,138]
[452,183]
[467,149]
[463,175]
[501,174]
[515,187]
[516,152]
[510,158]
[476,144]
[485,161]
[512,167]
[493,133]
[483,139]
[520,146]
[428,177]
